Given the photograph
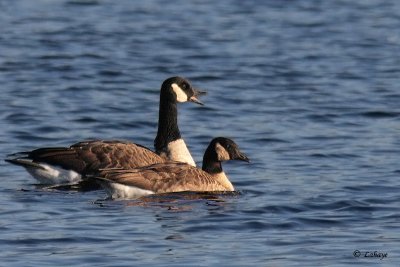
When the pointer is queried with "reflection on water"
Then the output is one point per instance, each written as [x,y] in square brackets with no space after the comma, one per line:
[179,201]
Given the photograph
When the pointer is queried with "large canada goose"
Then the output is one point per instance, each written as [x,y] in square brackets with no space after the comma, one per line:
[174,176]
[59,165]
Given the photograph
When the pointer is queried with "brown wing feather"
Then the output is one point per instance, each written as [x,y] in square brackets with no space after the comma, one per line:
[90,156]
[167,177]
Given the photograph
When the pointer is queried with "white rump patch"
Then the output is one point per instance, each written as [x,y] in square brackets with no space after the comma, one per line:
[181,96]
[221,152]
[178,151]
[54,175]
[120,191]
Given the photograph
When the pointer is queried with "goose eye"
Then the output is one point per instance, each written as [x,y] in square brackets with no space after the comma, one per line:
[184,86]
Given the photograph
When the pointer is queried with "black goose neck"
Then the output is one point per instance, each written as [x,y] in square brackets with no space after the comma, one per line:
[168,130]
[211,164]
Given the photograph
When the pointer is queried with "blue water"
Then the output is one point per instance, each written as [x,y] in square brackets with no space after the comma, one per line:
[308,89]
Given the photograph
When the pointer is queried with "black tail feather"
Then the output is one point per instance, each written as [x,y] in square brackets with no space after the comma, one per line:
[24,162]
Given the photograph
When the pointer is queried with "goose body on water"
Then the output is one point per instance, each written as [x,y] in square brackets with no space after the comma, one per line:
[60,165]
[174,176]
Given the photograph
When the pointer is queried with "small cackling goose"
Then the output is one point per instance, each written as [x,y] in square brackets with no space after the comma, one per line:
[59,165]
[174,176]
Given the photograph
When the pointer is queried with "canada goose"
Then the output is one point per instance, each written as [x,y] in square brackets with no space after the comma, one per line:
[174,176]
[58,165]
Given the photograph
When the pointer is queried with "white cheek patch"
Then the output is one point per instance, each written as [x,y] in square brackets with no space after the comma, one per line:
[181,96]
[221,152]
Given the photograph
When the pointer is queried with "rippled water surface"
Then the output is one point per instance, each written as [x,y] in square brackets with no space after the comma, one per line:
[308,89]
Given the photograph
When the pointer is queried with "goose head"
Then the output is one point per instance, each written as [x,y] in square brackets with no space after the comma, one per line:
[221,149]
[181,90]
[225,149]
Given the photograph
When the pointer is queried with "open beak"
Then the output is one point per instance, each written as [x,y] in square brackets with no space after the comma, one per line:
[242,157]
[194,98]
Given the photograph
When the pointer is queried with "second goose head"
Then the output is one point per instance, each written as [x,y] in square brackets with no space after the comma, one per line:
[221,149]
[228,150]
[168,142]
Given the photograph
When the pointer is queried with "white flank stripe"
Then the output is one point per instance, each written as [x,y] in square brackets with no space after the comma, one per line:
[120,191]
[54,175]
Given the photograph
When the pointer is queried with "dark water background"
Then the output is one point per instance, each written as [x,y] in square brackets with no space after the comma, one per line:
[308,89]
